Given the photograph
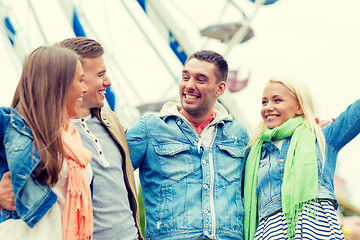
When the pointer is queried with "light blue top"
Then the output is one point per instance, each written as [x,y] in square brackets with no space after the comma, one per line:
[113,218]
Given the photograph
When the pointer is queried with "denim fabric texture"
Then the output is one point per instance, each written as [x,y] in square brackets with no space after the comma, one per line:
[18,155]
[271,169]
[190,190]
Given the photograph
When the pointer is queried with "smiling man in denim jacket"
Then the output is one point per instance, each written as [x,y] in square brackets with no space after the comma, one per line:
[191,159]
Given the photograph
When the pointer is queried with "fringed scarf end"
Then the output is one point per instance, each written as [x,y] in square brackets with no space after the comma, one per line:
[311,210]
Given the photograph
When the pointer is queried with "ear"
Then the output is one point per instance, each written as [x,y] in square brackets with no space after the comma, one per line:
[299,110]
[221,89]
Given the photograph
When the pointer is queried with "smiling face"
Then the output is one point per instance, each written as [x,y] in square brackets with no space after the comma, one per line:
[199,90]
[278,105]
[96,82]
[76,92]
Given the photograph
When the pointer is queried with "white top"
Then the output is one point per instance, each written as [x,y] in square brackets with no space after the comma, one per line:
[49,227]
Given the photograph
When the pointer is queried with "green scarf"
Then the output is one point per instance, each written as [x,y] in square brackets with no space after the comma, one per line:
[300,181]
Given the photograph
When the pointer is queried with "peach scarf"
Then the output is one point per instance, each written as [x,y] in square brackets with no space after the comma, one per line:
[77,217]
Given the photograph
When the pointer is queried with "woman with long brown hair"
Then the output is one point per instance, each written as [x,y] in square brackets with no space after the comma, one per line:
[43,151]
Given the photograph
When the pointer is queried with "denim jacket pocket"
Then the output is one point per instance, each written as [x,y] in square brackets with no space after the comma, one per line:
[230,156]
[175,161]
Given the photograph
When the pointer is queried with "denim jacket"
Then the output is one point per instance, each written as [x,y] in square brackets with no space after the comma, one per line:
[16,155]
[272,162]
[191,183]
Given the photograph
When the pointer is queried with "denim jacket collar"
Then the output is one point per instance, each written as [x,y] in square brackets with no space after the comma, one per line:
[172,109]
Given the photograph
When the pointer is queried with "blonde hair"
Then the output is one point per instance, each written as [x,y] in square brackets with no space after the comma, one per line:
[304,97]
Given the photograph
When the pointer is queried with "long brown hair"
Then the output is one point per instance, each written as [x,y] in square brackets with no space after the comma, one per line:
[40,98]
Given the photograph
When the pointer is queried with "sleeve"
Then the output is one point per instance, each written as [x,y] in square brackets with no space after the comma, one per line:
[3,161]
[345,127]
[137,139]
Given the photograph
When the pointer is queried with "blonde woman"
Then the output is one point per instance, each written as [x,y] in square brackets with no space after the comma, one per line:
[289,172]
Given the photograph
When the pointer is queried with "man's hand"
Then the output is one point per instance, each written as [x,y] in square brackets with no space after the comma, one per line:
[322,123]
[6,193]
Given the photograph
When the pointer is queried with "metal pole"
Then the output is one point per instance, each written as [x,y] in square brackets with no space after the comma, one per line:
[241,33]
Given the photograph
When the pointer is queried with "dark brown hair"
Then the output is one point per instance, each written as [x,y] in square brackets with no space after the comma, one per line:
[222,68]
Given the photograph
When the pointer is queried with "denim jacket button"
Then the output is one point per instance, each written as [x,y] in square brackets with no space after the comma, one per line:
[7,215]
[206,233]
[178,123]
[205,186]
[203,161]
[206,211]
